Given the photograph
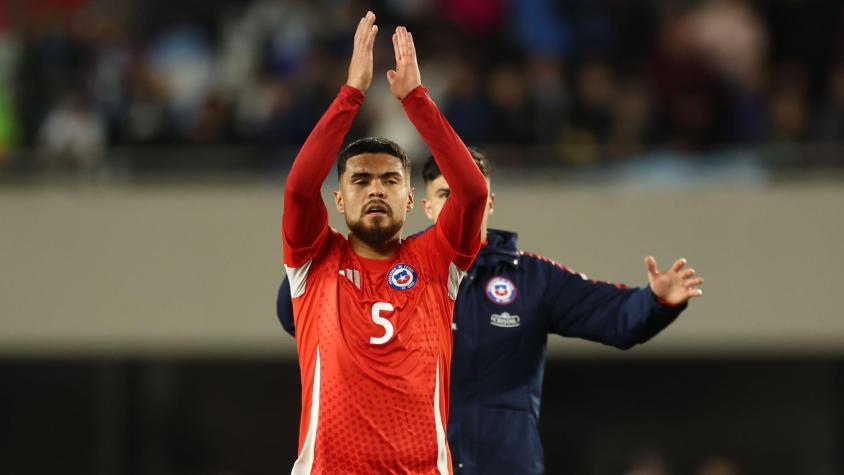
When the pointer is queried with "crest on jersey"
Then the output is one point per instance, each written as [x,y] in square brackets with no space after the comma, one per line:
[401,277]
[501,290]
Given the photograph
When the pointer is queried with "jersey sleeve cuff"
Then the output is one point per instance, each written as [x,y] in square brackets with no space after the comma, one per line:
[664,307]
[419,92]
[351,92]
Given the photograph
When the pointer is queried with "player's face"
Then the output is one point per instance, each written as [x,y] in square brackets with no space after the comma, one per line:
[374,196]
[437,192]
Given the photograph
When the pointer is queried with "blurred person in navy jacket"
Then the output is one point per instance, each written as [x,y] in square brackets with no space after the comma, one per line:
[506,307]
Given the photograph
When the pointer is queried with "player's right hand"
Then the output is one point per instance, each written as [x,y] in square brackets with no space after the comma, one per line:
[360,67]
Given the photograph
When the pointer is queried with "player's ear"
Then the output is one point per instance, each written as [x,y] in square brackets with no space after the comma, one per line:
[428,207]
[491,202]
[338,202]
[410,198]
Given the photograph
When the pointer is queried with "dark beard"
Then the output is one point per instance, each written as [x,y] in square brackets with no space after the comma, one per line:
[376,235]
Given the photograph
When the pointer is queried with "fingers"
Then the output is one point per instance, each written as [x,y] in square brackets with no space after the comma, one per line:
[402,32]
[400,43]
[396,48]
[360,64]
[691,282]
[370,29]
[364,27]
[370,37]
[406,76]
[359,30]
[650,262]
[403,44]
[408,49]
[365,33]
[678,264]
[391,76]
[410,45]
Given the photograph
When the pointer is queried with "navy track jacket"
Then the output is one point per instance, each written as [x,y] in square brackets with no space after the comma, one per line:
[506,306]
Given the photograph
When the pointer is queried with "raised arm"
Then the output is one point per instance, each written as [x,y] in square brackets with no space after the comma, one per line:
[461,217]
[305,217]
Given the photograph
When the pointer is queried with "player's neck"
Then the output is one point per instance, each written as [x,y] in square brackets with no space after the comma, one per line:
[384,251]
[483,234]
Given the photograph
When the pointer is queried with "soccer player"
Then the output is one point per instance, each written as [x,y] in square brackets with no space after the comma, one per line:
[507,305]
[373,311]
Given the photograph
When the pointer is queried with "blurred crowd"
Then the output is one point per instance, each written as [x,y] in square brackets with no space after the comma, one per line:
[587,81]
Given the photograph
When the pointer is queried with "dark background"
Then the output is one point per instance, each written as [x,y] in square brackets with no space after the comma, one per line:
[138,417]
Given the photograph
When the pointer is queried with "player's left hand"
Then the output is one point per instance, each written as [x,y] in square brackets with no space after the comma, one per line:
[674,286]
[405,77]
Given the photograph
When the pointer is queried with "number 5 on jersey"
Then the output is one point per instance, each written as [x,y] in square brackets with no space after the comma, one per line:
[381,321]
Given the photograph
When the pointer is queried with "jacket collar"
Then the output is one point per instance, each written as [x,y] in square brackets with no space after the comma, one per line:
[501,249]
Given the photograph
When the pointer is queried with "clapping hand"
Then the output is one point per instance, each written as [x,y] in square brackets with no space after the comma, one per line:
[360,66]
[405,77]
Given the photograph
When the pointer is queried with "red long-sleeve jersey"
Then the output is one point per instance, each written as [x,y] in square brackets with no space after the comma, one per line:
[374,336]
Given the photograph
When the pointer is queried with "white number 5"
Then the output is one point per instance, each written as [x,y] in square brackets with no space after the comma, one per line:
[381,321]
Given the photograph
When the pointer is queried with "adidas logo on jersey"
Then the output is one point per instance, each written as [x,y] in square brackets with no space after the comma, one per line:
[353,275]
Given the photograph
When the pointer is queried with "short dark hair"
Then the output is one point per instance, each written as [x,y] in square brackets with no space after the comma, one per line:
[372,145]
[431,171]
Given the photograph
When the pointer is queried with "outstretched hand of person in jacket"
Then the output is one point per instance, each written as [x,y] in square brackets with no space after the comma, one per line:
[676,285]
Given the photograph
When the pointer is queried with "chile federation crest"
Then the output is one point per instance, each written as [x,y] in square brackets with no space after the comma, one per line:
[501,290]
[401,277]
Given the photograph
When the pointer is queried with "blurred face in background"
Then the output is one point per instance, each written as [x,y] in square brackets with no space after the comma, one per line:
[437,192]
[374,196]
